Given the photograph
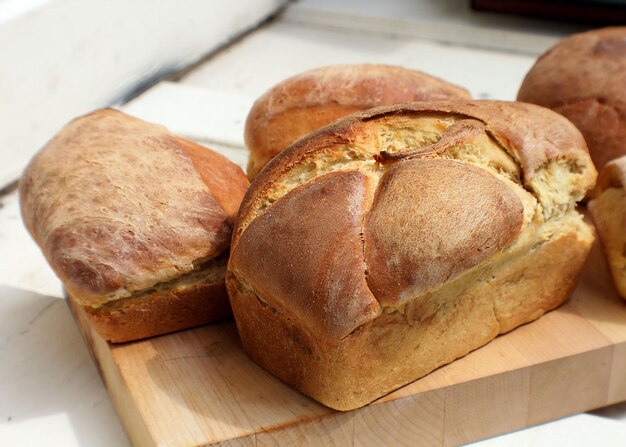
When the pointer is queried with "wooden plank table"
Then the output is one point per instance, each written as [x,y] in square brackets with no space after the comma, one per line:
[198,387]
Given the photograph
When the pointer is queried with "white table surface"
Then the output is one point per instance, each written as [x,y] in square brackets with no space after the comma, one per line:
[60,58]
[50,391]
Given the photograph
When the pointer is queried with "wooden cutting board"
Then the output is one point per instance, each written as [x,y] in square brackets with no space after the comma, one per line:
[197,387]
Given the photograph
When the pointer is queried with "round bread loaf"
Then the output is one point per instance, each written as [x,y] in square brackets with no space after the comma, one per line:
[310,100]
[396,240]
[135,221]
[583,78]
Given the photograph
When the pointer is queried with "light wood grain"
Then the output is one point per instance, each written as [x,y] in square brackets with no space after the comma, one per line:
[334,430]
[197,387]
[410,421]
[499,402]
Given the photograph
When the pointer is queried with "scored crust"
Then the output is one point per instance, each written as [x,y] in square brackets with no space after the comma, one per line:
[538,145]
[312,99]
[409,196]
[582,77]
[450,211]
[120,206]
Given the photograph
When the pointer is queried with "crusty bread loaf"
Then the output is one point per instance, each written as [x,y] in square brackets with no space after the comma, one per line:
[310,100]
[583,77]
[398,239]
[135,221]
[608,210]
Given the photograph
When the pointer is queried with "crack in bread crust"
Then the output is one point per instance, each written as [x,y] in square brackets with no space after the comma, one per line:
[460,132]
[355,142]
[527,162]
[210,271]
[312,99]
[392,133]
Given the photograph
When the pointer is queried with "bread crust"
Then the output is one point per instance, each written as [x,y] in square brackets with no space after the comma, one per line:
[608,210]
[532,135]
[583,77]
[409,195]
[310,100]
[290,251]
[397,348]
[161,312]
[523,169]
[119,206]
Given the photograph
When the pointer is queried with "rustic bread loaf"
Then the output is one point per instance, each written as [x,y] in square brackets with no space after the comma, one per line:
[396,240]
[310,100]
[608,210]
[583,77]
[135,221]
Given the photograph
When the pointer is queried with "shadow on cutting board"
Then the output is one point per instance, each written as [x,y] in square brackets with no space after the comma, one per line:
[205,370]
[606,306]
[47,373]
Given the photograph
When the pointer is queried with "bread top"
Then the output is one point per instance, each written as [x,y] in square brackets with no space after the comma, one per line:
[583,77]
[119,205]
[312,99]
[380,208]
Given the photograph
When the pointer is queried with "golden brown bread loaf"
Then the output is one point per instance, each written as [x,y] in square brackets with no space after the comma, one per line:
[398,239]
[583,77]
[608,210]
[135,221]
[310,100]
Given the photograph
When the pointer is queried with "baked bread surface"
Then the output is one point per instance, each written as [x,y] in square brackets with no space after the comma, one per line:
[583,77]
[608,210]
[395,240]
[124,209]
[310,100]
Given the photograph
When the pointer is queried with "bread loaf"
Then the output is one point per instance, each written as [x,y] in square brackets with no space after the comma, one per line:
[608,210]
[135,221]
[583,78]
[396,240]
[310,100]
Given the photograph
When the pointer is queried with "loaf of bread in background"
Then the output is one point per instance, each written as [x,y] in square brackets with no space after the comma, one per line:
[608,210]
[583,77]
[310,100]
[135,221]
[396,240]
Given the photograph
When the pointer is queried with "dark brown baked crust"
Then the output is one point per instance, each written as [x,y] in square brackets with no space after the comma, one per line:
[583,77]
[120,206]
[391,242]
[291,251]
[312,99]
[406,197]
